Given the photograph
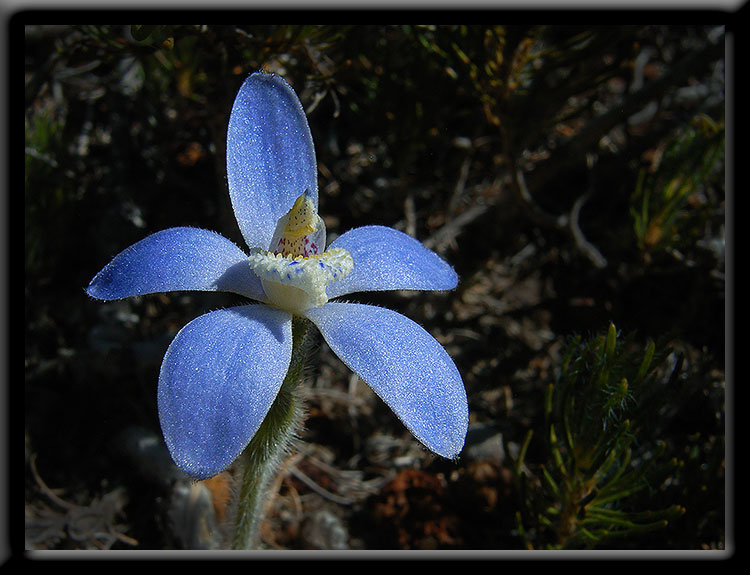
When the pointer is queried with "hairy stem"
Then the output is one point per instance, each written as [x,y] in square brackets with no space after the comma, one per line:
[260,460]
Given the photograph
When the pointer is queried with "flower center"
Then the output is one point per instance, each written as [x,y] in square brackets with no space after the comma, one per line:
[295,273]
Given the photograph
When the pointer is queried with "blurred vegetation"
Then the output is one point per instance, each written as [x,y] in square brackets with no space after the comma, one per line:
[573,175]
[672,199]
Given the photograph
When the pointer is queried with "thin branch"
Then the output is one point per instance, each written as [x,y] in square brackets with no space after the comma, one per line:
[294,470]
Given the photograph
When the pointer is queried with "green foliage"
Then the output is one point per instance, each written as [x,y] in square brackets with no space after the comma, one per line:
[42,192]
[596,457]
[153,35]
[676,198]
[474,56]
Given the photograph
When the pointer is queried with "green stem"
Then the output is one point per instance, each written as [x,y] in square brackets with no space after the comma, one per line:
[261,458]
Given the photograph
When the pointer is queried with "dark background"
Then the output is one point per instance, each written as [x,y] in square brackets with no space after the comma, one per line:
[422,128]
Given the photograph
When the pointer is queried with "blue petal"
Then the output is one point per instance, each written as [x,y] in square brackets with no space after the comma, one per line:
[387,259]
[270,156]
[404,365]
[218,380]
[177,259]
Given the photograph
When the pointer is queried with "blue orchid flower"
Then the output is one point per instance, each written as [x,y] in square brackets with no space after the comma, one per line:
[222,372]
